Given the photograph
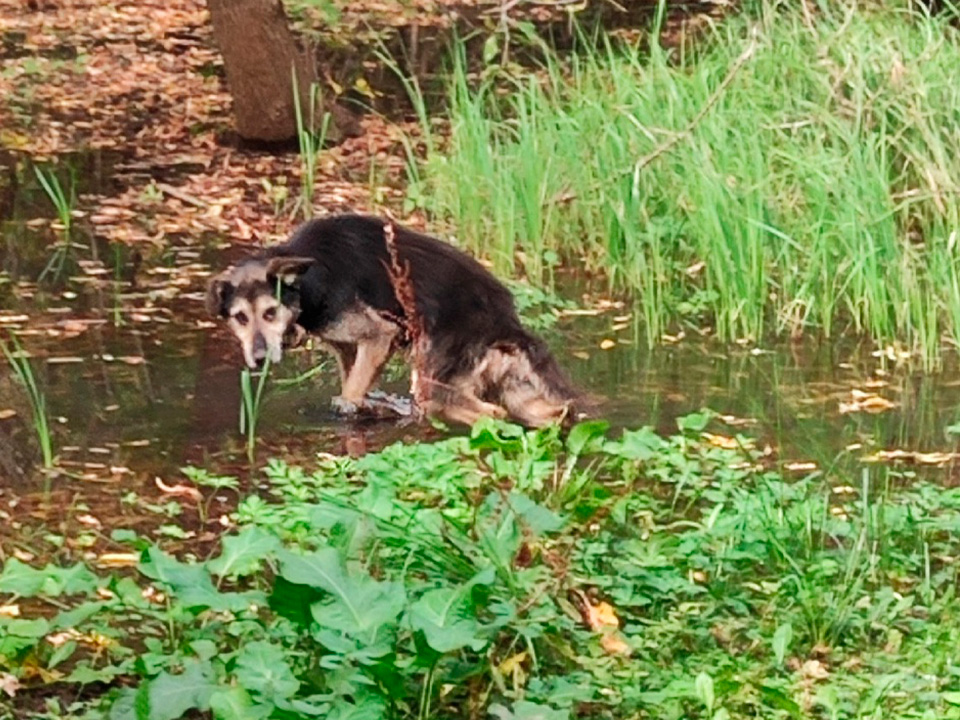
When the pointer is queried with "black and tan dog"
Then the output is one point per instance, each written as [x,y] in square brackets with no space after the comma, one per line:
[332,280]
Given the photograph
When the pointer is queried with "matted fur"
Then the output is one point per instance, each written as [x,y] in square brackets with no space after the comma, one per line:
[332,280]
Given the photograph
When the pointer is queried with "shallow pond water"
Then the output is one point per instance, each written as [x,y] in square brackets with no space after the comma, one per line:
[140,383]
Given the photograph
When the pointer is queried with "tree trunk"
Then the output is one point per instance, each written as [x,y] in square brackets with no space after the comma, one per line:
[260,54]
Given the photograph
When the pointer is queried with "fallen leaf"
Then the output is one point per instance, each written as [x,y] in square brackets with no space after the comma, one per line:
[9,684]
[10,611]
[814,670]
[118,559]
[607,343]
[513,662]
[179,490]
[7,414]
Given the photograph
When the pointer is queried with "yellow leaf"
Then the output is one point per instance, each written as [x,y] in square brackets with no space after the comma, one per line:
[607,343]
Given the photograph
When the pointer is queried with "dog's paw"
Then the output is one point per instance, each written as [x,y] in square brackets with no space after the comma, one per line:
[342,406]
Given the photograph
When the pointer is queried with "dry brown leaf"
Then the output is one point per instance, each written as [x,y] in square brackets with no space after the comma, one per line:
[7,413]
[179,490]
[10,611]
[118,559]
[9,684]
[814,670]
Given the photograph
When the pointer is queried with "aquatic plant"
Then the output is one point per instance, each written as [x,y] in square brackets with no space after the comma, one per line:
[311,136]
[734,186]
[250,398]
[63,202]
[19,363]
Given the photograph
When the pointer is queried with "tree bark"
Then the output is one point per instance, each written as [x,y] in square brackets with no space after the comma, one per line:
[260,54]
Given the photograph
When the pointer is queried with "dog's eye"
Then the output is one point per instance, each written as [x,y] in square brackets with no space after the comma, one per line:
[241,317]
[270,314]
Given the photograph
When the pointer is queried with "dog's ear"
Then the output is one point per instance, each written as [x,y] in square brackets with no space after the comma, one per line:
[217,292]
[288,268]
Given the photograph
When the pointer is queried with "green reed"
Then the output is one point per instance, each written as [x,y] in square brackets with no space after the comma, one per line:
[19,363]
[63,202]
[311,136]
[787,175]
[250,399]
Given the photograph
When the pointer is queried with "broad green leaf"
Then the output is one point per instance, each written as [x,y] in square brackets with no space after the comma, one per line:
[17,634]
[525,710]
[243,553]
[262,668]
[170,696]
[190,583]
[643,445]
[22,579]
[236,704]
[781,642]
[695,422]
[704,687]
[446,619]
[587,436]
[357,602]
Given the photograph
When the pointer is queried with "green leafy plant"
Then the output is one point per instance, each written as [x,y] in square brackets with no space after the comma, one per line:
[63,202]
[250,398]
[311,136]
[19,363]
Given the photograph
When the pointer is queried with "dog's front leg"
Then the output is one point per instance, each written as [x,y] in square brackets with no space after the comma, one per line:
[372,355]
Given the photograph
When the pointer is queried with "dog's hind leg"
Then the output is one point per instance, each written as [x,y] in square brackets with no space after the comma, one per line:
[459,402]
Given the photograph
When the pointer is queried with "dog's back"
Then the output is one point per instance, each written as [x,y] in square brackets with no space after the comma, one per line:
[469,317]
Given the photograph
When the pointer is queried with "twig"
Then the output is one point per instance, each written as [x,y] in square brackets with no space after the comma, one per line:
[711,101]
[412,322]
[180,195]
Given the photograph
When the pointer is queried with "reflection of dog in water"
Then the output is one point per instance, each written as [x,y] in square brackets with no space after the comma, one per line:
[333,280]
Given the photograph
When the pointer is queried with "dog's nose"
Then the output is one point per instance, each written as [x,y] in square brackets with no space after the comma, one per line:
[259,347]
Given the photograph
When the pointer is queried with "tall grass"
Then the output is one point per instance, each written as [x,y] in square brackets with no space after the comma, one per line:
[817,192]
[311,136]
[250,398]
[19,363]
[63,202]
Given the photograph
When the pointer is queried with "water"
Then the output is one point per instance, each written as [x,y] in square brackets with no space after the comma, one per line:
[140,382]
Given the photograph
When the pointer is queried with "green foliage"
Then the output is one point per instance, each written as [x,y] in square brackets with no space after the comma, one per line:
[814,194]
[441,580]
[19,363]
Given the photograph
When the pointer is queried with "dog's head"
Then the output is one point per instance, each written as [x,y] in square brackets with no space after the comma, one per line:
[260,301]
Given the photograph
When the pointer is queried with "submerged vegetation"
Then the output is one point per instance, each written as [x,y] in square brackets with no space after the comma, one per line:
[22,369]
[790,173]
[518,575]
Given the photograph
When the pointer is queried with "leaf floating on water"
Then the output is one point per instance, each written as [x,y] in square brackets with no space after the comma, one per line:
[607,343]
[734,421]
[861,401]
[726,442]
[910,456]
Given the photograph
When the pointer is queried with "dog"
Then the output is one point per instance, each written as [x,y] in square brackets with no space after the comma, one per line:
[333,280]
